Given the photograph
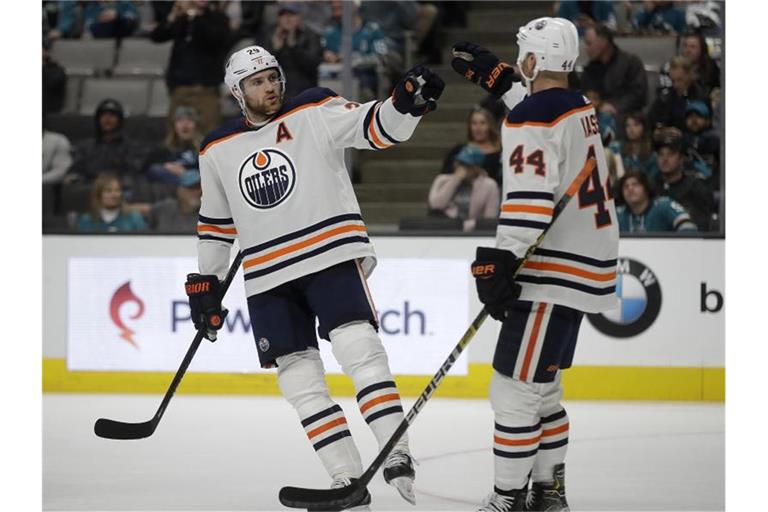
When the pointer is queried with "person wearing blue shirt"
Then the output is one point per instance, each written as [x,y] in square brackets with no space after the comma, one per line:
[660,17]
[643,213]
[369,47]
[107,212]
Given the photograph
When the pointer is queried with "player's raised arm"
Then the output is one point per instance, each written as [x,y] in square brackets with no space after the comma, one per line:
[381,124]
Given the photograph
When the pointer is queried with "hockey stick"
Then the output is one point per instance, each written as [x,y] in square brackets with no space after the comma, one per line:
[111,429]
[343,497]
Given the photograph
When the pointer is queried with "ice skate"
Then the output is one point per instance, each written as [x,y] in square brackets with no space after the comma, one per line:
[399,473]
[360,506]
[505,501]
[550,496]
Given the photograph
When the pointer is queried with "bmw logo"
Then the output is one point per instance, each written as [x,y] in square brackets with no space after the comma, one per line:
[639,301]
[267,178]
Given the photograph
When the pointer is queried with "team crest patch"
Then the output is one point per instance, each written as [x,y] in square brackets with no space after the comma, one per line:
[540,24]
[267,178]
[263,344]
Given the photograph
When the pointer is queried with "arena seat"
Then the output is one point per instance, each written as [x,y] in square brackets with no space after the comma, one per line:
[85,57]
[142,57]
[132,93]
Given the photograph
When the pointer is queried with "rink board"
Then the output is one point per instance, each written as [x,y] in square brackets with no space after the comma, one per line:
[116,321]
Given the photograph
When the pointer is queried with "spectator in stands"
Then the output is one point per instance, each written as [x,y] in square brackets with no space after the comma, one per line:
[668,108]
[678,182]
[57,156]
[637,149]
[107,211]
[369,48]
[467,193]
[641,212]
[69,21]
[296,48]
[57,159]
[54,81]
[706,72]
[109,149]
[396,19]
[618,76]
[586,14]
[111,19]
[702,141]
[660,17]
[179,153]
[482,133]
[179,214]
[200,33]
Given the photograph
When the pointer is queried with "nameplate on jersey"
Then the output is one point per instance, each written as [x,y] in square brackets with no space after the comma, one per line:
[267,178]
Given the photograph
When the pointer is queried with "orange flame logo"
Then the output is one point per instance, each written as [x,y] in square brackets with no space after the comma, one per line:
[122,295]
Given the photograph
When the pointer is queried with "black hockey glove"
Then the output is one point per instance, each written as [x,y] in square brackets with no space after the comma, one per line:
[417,93]
[477,64]
[496,288]
[204,292]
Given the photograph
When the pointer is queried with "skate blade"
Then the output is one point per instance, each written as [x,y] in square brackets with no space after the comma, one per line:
[404,486]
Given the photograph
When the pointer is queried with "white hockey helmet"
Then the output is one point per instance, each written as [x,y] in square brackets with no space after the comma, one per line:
[554,42]
[244,63]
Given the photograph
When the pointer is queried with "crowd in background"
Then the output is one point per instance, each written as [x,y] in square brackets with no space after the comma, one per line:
[664,157]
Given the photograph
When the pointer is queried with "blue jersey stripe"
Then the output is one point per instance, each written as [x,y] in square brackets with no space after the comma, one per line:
[575,257]
[215,220]
[521,223]
[320,415]
[531,195]
[216,238]
[375,387]
[330,439]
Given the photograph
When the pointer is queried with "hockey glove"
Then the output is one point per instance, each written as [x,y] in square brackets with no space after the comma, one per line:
[204,292]
[496,288]
[477,64]
[417,93]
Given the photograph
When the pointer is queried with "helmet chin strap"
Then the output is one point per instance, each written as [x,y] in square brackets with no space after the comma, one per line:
[528,80]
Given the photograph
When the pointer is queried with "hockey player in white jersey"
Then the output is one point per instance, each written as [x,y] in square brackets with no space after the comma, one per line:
[275,179]
[548,137]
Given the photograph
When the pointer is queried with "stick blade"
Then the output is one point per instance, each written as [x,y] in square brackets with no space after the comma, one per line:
[322,499]
[111,429]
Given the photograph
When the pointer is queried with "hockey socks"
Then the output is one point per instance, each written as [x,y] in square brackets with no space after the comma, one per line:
[301,377]
[361,355]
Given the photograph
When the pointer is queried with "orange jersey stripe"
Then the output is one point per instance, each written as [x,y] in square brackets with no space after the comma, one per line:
[516,442]
[524,208]
[589,166]
[217,229]
[292,111]
[372,131]
[567,269]
[532,340]
[378,400]
[302,107]
[301,245]
[552,123]
[328,426]
[556,430]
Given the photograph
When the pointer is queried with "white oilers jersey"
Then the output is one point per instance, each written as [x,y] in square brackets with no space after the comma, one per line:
[283,190]
[547,139]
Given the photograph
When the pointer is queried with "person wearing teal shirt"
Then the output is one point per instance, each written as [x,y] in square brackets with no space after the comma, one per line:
[107,212]
[643,213]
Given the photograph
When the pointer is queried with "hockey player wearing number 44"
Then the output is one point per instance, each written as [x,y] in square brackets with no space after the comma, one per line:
[275,179]
[549,136]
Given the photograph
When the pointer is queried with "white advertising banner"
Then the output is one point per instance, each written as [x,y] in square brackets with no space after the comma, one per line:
[672,307]
[131,313]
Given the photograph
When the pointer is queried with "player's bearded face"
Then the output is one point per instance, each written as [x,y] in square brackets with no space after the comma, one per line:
[263,94]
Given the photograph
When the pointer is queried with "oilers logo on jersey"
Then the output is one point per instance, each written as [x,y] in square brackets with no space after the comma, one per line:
[267,178]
